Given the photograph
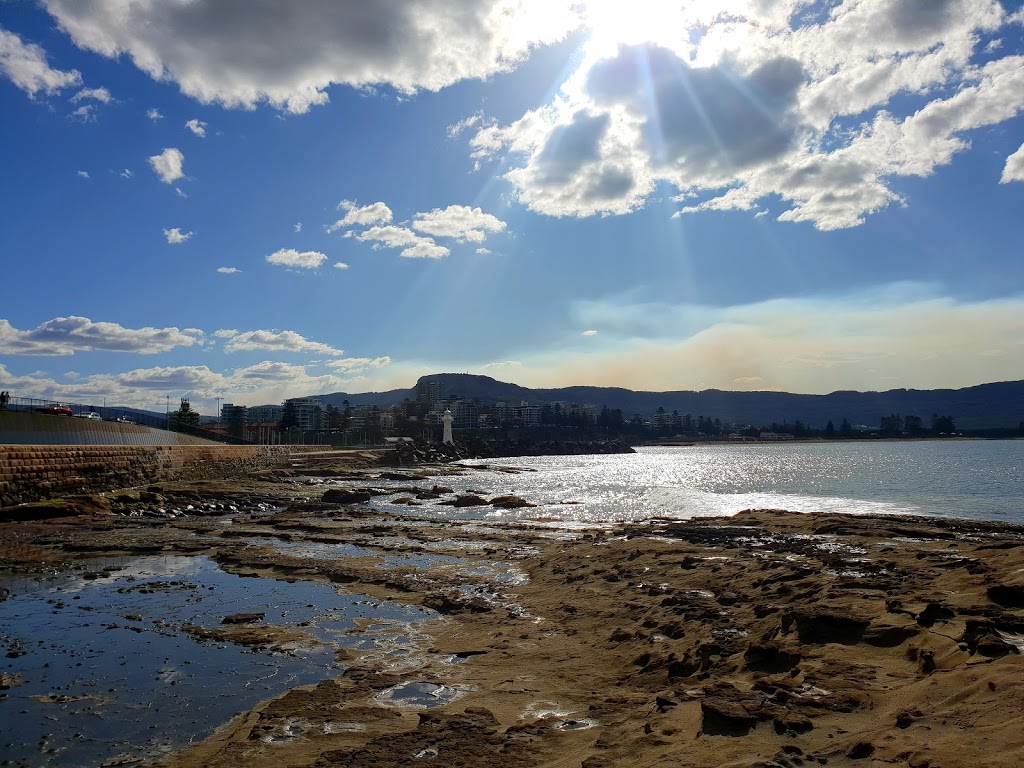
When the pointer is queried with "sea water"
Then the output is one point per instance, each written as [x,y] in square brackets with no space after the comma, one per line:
[979,479]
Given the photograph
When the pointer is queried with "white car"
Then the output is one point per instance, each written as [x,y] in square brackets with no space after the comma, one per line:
[88,415]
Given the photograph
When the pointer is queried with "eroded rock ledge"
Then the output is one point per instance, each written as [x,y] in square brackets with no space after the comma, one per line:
[765,639]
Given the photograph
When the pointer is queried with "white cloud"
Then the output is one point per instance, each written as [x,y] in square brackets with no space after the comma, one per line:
[340,265]
[505,366]
[225,333]
[355,216]
[277,341]
[589,333]
[176,236]
[179,193]
[459,222]
[97,94]
[83,174]
[148,388]
[414,246]
[484,251]
[126,174]
[289,257]
[289,54]
[463,125]
[85,113]
[168,165]
[228,270]
[298,226]
[1014,168]
[25,65]
[821,110]
[353,365]
[68,335]
[154,114]
[198,127]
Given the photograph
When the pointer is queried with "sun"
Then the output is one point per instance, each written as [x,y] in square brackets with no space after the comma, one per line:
[667,22]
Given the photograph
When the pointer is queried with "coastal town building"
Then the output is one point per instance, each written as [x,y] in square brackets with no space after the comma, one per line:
[258,414]
[308,412]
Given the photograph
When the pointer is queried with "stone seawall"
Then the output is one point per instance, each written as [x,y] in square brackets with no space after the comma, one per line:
[35,472]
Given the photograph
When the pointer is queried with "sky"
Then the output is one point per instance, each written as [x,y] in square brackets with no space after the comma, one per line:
[246,201]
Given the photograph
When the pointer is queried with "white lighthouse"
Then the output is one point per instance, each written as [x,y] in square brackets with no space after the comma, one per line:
[446,419]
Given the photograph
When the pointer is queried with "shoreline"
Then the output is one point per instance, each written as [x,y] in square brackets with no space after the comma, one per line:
[764,639]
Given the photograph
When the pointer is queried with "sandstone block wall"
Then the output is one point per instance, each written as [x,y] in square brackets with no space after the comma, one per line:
[34,472]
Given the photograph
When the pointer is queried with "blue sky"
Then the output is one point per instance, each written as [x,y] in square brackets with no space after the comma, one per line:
[252,201]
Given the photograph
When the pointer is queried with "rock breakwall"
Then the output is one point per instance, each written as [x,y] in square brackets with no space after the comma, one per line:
[37,472]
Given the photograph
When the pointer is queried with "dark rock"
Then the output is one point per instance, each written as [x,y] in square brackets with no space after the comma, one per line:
[510,502]
[1007,596]
[769,659]
[861,750]
[888,635]
[818,627]
[345,496]
[243,618]
[933,613]
[725,718]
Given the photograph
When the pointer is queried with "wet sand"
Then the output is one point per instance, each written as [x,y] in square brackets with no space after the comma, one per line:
[766,639]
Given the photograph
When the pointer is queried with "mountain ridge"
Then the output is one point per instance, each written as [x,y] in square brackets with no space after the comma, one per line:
[982,406]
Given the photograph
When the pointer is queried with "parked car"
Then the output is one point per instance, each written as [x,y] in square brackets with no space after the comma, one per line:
[89,415]
[57,409]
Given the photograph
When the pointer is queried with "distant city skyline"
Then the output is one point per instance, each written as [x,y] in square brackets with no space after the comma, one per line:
[251,204]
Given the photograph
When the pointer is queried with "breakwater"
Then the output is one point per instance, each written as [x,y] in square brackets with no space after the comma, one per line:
[36,472]
[412,453]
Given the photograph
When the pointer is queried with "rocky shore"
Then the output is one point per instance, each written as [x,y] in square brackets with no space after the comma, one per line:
[766,639]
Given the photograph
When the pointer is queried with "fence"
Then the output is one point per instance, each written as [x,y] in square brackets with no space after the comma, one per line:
[124,416]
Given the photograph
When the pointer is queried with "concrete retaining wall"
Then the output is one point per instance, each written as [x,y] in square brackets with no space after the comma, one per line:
[34,472]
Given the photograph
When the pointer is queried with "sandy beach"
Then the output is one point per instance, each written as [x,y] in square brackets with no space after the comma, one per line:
[769,638]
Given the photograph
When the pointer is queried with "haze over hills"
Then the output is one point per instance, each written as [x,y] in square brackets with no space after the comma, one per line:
[985,406]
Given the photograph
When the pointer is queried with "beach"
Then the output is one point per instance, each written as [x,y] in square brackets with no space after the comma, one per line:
[768,638]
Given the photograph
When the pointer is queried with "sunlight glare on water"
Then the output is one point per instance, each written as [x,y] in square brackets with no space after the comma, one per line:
[976,479]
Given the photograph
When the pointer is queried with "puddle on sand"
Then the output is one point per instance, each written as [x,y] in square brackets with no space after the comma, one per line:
[105,669]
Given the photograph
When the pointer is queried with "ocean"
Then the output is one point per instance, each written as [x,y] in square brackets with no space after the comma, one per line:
[978,479]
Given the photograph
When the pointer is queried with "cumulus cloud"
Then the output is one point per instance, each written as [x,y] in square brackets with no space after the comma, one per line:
[589,333]
[459,222]
[1014,169]
[126,174]
[340,265]
[298,226]
[68,335]
[413,246]
[225,333]
[97,94]
[484,251]
[83,174]
[353,365]
[289,257]
[821,108]
[289,54]
[228,270]
[277,341]
[176,236]
[25,65]
[365,216]
[168,165]
[198,127]
[154,114]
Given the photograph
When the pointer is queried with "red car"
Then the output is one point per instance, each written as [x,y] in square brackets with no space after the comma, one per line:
[57,409]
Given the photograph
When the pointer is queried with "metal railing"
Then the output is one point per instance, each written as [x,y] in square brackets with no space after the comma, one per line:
[125,416]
